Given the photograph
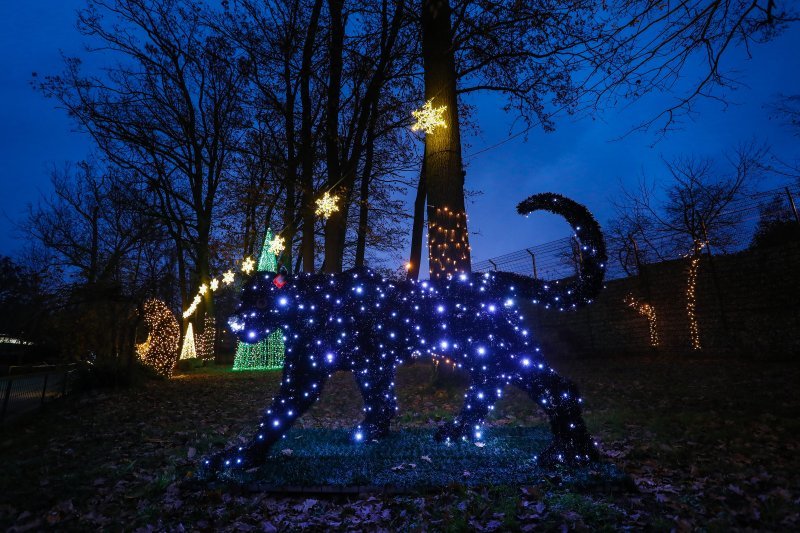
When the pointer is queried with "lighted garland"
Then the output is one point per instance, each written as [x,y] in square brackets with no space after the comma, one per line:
[649,312]
[160,350]
[367,324]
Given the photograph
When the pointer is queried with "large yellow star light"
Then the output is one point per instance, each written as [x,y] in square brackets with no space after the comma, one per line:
[277,245]
[429,117]
[248,265]
[327,205]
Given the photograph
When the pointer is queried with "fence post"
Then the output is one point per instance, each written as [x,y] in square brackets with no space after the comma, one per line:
[722,315]
[44,387]
[577,256]
[791,203]
[9,383]
[493,264]
[533,262]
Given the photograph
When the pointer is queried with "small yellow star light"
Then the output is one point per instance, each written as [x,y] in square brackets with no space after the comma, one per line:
[248,265]
[227,277]
[203,289]
[214,285]
[429,117]
[327,205]
[277,245]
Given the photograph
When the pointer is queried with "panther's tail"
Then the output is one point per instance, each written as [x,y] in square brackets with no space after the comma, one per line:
[579,290]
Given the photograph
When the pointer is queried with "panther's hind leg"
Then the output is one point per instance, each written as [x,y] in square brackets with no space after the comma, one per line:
[561,402]
[380,402]
[478,401]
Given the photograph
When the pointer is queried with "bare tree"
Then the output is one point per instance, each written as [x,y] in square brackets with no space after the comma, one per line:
[582,56]
[109,254]
[167,110]
[698,204]
[696,211]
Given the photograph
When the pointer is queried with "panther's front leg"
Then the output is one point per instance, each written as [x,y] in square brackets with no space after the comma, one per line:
[294,398]
[478,401]
[376,384]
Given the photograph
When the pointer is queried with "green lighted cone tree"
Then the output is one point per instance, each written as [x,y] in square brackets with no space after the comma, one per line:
[268,353]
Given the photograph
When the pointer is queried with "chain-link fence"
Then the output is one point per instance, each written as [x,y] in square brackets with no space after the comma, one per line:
[559,258]
[737,296]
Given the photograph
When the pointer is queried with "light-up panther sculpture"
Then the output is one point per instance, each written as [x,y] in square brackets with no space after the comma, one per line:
[368,324]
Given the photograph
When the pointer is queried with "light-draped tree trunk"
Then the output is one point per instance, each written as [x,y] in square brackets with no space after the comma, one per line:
[448,239]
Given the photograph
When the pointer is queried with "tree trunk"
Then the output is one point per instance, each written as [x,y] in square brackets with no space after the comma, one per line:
[415,259]
[291,170]
[363,200]
[448,239]
[334,244]
[203,265]
[307,144]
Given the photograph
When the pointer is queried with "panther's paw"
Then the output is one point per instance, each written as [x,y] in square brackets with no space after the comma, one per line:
[232,461]
[451,432]
[568,454]
[366,432]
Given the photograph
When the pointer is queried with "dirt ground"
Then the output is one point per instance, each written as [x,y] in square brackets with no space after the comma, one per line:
[705,443]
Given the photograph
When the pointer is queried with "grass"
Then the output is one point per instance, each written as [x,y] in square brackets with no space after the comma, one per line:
[707,444]
[410,461]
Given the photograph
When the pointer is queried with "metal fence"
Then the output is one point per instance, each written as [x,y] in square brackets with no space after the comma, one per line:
[558,259]
[21,393]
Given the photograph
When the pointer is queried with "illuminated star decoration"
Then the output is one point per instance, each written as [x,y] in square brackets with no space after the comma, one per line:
[327,205]
[248,265]
[214,285]
[277,245]
[227,277]
[363,322]
[203,289]
[429,117]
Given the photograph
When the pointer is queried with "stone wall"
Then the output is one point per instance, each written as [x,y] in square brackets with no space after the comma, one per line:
[748,304]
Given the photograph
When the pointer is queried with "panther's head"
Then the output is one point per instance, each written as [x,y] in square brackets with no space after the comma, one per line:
[264,302]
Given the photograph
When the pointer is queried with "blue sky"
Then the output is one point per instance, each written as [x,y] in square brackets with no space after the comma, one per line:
[580,159]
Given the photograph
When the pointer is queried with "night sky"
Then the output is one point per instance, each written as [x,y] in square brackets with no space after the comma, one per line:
[580,160]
